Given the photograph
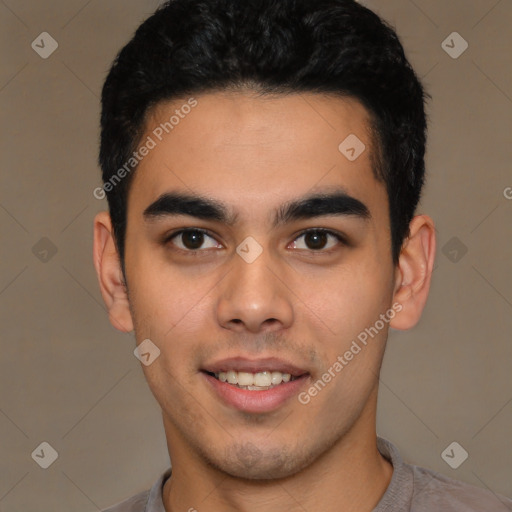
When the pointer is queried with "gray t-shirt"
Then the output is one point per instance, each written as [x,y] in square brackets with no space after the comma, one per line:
[412,489]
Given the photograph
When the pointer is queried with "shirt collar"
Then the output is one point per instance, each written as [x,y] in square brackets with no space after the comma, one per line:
[398,495]
[155,501]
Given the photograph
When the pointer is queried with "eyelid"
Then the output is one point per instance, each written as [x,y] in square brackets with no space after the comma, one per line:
[169,236]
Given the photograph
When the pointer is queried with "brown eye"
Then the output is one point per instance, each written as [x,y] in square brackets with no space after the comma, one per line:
[191,240]
[317,240]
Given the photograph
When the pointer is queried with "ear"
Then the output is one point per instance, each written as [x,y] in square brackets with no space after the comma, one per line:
[414,272]
[110,276]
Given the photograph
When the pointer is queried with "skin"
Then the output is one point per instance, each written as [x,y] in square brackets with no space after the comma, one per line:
[297,302]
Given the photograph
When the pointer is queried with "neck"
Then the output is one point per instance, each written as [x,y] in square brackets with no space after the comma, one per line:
[351,476]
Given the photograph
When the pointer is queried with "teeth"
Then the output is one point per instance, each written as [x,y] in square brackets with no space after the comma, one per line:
[276,378]
[246,379]
[254,381]
[263,379]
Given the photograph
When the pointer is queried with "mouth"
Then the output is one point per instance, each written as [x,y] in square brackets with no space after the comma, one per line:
[254,386]
[260,381]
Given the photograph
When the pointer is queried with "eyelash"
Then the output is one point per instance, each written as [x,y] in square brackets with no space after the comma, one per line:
[197,252]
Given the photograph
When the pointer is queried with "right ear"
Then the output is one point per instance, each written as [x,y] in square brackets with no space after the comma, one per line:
[110,275]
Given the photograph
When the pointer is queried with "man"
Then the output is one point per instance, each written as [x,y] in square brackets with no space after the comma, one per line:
[263,161]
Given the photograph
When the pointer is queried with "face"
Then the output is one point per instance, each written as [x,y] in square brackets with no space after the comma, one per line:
[252,281]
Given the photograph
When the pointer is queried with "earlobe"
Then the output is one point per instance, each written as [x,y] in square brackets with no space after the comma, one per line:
[414,272]
[110,276]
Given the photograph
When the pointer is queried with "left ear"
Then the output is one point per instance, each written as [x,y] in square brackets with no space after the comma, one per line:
[414,272]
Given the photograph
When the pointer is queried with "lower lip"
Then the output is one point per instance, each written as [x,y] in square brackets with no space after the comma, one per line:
[256,401]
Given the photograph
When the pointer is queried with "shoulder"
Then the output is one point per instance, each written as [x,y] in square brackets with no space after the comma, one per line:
[136,503]
[145,501]
[434,490]
[418,489]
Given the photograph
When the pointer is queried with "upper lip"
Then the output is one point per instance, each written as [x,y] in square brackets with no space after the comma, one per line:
[242,364]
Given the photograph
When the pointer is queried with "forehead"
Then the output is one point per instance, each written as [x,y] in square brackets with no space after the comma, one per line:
[254,151]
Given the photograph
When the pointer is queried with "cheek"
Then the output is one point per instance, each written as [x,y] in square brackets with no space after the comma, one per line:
[172,308]
[170,313]
[348,300]
[347,307]
[166,297]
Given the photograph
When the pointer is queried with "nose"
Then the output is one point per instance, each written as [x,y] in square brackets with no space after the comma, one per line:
[254,296]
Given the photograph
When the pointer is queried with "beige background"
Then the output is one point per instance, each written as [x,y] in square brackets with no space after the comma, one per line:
[70,379]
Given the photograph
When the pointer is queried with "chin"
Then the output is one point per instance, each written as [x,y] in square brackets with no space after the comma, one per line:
[249,462]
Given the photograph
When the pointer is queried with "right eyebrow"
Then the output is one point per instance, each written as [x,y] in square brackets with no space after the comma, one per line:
[177,203]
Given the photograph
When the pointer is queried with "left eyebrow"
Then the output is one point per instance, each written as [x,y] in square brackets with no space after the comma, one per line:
[338,203]
[309,207]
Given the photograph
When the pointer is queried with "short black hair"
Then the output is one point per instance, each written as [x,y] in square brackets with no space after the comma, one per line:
[189,47]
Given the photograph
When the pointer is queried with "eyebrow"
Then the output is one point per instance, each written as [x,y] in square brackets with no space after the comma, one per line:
[337,203]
